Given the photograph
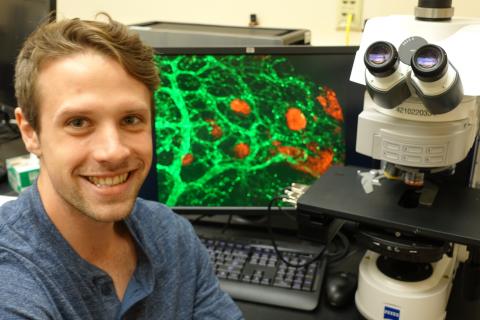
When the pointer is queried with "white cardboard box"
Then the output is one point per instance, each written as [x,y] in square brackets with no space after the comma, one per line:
[22,171]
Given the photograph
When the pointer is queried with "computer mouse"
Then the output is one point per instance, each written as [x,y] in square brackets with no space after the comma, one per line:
[340,288]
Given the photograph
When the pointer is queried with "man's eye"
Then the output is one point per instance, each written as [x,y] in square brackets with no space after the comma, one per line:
[131,120]
[77,123]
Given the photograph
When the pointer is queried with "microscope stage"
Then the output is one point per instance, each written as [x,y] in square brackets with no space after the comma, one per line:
[454,215]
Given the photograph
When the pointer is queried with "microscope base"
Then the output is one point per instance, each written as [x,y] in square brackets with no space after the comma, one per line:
[380,297]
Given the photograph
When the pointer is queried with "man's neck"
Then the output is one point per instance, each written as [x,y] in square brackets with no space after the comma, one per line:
[94,241]
[107,245]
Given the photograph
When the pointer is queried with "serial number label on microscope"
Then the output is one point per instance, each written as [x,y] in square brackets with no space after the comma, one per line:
[414,112]
[391,313]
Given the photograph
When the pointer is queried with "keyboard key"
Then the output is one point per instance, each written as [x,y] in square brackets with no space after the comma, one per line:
[234,276]
[281,284]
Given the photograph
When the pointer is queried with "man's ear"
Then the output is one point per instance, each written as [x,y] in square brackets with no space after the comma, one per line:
[29,136]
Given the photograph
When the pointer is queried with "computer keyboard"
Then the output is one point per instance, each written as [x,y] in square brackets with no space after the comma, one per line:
[251,270]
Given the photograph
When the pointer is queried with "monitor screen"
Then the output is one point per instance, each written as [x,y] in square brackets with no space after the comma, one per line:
[233,127]
[18,18]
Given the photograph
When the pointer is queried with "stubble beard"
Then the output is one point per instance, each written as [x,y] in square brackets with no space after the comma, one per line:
[105,212]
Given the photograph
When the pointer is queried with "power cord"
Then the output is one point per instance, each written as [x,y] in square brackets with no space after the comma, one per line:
[345,244]
[275,246]
[228,224]
[201,217]
[291,195]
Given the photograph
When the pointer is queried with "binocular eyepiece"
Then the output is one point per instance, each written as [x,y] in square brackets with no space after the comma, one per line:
[429,63]
[434,79]
[381,59]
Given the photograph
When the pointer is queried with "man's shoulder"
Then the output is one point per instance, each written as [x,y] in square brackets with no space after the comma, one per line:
[155,217]
[10,210]
[161,231]
[20,264]
[23,290]
[16,215]
[15,268]
[26,242]
[152,212]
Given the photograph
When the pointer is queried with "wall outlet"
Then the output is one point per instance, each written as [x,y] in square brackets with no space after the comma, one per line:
[346,7]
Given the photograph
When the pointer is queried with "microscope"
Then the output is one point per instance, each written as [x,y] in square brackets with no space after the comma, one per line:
[420,118]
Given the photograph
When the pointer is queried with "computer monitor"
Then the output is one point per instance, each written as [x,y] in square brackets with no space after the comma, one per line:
[18,18]
[233,127]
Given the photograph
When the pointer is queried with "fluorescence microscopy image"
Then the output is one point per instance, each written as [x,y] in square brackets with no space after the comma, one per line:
[235,130]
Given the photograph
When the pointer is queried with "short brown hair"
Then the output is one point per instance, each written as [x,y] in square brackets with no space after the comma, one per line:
[71,36]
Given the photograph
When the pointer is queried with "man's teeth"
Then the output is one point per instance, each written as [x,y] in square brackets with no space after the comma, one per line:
[108,181]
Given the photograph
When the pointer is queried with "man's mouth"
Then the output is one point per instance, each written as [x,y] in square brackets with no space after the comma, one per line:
[108,181]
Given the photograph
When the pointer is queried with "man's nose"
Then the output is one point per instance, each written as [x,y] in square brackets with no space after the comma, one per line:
[109,145]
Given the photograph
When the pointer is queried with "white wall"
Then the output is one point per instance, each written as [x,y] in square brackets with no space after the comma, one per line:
[317,15]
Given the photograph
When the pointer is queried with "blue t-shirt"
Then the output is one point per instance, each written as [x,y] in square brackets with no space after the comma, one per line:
[42,277]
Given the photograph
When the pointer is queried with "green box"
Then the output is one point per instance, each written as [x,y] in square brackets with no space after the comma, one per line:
[22,171]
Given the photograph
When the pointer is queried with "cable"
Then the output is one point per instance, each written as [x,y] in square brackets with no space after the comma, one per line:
[228,224]
[337,256]
[275,246]
[348,25]
[288,215]
[197,219]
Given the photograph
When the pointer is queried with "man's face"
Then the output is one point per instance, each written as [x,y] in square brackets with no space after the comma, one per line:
[94,143]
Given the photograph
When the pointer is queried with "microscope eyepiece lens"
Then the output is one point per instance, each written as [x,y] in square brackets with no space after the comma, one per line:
[379,54]
[429,63]
[381,59]
[428,58]
[378,58]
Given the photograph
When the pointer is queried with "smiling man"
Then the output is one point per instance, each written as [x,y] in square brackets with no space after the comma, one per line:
[79,244]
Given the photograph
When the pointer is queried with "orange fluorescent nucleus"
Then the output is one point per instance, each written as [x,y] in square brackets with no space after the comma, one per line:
[240,106]
[322,101]
[316,165]
[290,151]
[296,119]
[187,159]
[216,131]
[331,105]
[241,150]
